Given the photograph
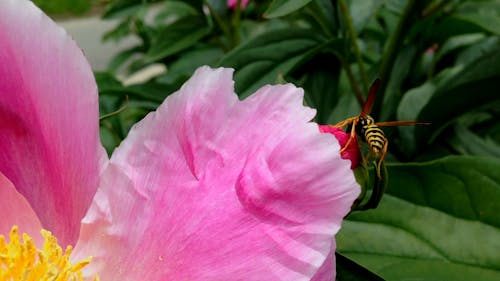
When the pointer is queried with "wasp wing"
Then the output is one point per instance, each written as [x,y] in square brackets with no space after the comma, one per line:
[367,107]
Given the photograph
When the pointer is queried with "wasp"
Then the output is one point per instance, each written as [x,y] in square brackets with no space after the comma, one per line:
[370,131]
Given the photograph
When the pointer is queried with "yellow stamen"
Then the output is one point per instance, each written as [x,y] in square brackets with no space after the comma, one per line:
[22,261]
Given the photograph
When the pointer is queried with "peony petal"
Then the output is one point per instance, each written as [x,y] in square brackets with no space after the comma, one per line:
[49,111]
[327,270]
[16,210]
[211,188]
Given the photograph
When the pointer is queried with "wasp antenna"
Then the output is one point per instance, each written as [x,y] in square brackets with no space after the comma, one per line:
[401,123]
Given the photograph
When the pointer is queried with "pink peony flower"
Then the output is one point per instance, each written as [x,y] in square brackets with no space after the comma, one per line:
[206,188]
[232,4]
[352,152]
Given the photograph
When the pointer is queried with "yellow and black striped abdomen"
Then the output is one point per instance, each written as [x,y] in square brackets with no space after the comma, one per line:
[375,137]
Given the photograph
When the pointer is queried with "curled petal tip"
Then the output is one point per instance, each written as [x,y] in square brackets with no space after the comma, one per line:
[351,152]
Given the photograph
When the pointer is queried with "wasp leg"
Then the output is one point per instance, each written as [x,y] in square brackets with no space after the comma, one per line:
[353,121]
[381,159]
[346,122]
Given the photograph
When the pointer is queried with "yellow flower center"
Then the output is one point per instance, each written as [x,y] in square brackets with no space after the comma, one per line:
[22,261]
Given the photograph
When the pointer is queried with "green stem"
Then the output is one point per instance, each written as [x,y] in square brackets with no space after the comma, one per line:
[116,112]
[351,32]
[390,54]
[352,80]
[236,25]
[218,19]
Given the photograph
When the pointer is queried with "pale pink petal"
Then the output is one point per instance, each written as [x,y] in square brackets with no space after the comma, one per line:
[327,270]
[15,210]
[49,111]
[211,188]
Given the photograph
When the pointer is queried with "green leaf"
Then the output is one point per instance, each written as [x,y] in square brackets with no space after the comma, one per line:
[119,59]
[476,85]
[176,37]
[453,26]
[439,220]
[250,29]
[468,143]
[362,11]
[118,32]
[475,52]
[399,73]
[106,80]
[395,6]
[108,140]
[259,61]
[64,6]
[484,14]
[458,41]
[150,91]
[279,8]
[123,8]
[173,10]
[411,104]
[324,14]
[189,61]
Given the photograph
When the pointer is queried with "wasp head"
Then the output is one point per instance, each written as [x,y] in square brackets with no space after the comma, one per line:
[363,122]
[366,120]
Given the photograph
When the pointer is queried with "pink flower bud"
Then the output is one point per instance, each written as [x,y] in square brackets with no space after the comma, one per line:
[233,3]
[352,151]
